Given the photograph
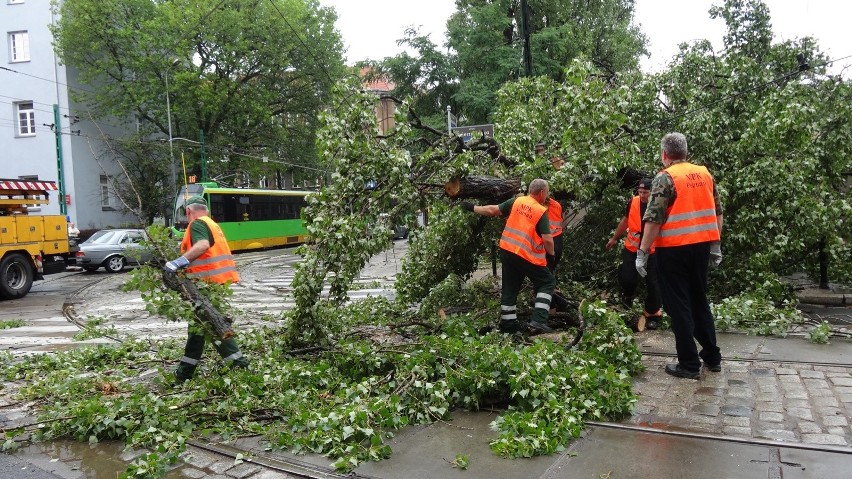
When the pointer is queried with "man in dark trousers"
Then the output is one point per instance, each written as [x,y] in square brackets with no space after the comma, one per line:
[525,245]
[628,277]
[684,217]
[206,256]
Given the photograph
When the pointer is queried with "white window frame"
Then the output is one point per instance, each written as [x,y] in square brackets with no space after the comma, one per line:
[25,118]
[19,46]
[106,202]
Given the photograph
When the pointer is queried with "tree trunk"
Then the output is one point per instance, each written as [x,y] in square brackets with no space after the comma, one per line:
[204,310]
[487,188]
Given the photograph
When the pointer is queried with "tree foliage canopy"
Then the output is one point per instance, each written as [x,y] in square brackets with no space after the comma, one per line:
[251,75]
[485,50]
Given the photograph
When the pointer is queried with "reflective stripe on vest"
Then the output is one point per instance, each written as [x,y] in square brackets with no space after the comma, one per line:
[634,226]
[692,217]
[216,264]
[519,235]
[554,215]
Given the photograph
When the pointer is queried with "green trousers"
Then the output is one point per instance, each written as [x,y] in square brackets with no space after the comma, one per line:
[515,270]
[228,349]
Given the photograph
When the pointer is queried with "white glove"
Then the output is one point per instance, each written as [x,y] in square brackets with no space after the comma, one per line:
[641,263]
[176,264]
[715,254]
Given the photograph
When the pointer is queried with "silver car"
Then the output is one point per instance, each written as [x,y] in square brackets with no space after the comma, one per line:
[113,249]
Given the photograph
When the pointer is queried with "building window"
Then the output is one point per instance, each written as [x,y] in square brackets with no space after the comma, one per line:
[26,118]
[105,197]
[19,47]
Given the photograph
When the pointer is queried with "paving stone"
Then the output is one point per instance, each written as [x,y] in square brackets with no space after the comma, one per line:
[640,408]
[740,392]
[846,398]
[707,400]
[241,471]
[825,401]
[841,381]
[789,380]
[769,397]
[824,439]
[737,431]
[706,410]
[797,403]
[801,413]
[220,466]
[796,393]
[821,393]
[707,391]
[671,410]
[776,434]
[816,383]
[738,401]
[771,416]
[741,411]
[828,411]
[763,372]
[840,431]
[191,472]
[812,374]
[272,475]
[736,421]
[785,371]
[832,369]
[771,406]
[844,390]
[655,392]
[835,421]
[737,382]
[200,459]
[807,427]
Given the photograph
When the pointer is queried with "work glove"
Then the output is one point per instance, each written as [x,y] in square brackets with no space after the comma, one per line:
[715,254]
[176,264]
[641,263]
[467,205]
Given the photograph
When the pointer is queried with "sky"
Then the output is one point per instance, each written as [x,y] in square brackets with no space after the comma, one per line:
[370,28]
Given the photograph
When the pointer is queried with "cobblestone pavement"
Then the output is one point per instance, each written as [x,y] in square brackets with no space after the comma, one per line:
[799,394]
[774,400]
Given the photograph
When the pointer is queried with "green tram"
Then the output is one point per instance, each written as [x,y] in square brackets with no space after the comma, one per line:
[250,218]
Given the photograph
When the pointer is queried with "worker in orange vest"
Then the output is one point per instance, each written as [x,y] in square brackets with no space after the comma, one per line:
[525,245]
[684,221]
[206,256]
[628,277]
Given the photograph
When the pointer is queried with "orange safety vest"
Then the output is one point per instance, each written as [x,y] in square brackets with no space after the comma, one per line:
[634,227]
[692,217]
[554,214]
[216,264]
[520,236]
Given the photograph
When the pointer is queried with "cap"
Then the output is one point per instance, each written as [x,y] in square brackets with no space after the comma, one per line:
[196,200]
[645,183]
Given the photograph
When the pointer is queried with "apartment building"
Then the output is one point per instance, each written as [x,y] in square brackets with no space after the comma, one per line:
[34,103]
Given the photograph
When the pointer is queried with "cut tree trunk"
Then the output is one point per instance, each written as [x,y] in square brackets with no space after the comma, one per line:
[486,188]
[205,312]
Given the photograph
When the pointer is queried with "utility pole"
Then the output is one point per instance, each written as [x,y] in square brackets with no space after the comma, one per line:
[525,30]
[60,167]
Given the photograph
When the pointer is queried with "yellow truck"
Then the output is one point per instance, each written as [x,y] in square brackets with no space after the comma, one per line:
[28,240]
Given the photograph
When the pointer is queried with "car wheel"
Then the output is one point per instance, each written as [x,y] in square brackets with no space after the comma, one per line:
[114,264]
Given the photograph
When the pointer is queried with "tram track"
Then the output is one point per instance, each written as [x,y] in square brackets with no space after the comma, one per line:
[754,360]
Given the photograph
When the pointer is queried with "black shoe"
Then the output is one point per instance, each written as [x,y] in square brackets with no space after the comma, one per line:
[678,371]
[716,368]
[509,327]
[537,328]
[652,323]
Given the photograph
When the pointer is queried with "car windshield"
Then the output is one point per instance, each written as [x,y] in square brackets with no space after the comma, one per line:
[104,237]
